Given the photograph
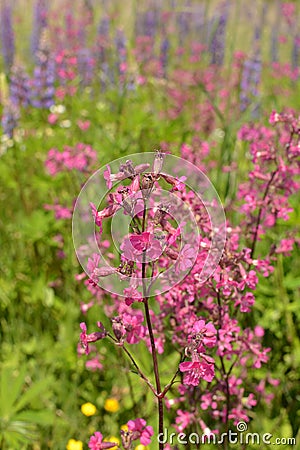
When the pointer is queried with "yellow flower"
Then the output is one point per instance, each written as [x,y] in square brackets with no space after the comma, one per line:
[124,427]
[141,447]
[113,439]
[88,409]
[74,445]
[111,405]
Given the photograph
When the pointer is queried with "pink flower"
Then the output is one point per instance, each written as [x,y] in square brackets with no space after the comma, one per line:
[94,364]
[245,302]
[132,322]
[85,338]
[288,11]
[140,242]
[107,177]
[285,246]
[201,366]
[173,237]
[84,124]
[84,307]
[186,258]
[237,414]
[144,432]
[123,67]
[92,265]
[206,333]
[250,401]
[96,215]
[274,118]
[105,213]
[139,247]
[52,118]
[259,331]
[96,442]
[61,212]
[79,157]
[141,80]
[177,183]
[249,279]
[132,295]
[183,420]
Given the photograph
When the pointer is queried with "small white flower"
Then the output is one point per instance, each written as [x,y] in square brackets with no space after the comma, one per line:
[58,109]
[65,123]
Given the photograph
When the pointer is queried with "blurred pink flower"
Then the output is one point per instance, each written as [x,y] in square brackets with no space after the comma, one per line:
[52,119]
[96,442]
[84,124]
[186,258]
[145,432]
[85,338]
[107,177]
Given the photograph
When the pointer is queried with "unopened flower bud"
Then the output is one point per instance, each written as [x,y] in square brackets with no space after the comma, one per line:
[118,328]
[126,437]
[171,253]
[158,162]
[147,184]
[127,169]
[104,271]
[140,168]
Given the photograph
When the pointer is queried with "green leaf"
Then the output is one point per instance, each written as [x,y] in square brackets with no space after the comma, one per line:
[34,391]
[291,283]
[42,417]
[10,388]
[36,226]
[19,431]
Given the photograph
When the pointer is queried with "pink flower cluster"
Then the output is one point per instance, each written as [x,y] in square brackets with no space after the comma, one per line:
[202,365]
[79,157]
[205,322]
[137,430]
[265,196]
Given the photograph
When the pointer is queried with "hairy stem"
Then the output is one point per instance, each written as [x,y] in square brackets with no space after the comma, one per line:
[225,376]
[260,213]
[156,372]
[152,341]
[141,374]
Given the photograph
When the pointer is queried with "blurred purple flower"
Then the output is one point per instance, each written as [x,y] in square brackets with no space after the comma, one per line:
[7,35]
[19,86]
[164,53]
[10,118]
[274,45]
[217,43]
[150,23]
[120,42]
[103,40]
[250,81]
[183,23]
[86,63]
[42,83]
[40,13]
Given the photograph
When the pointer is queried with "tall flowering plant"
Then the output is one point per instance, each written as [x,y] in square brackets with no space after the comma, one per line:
[202,284]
